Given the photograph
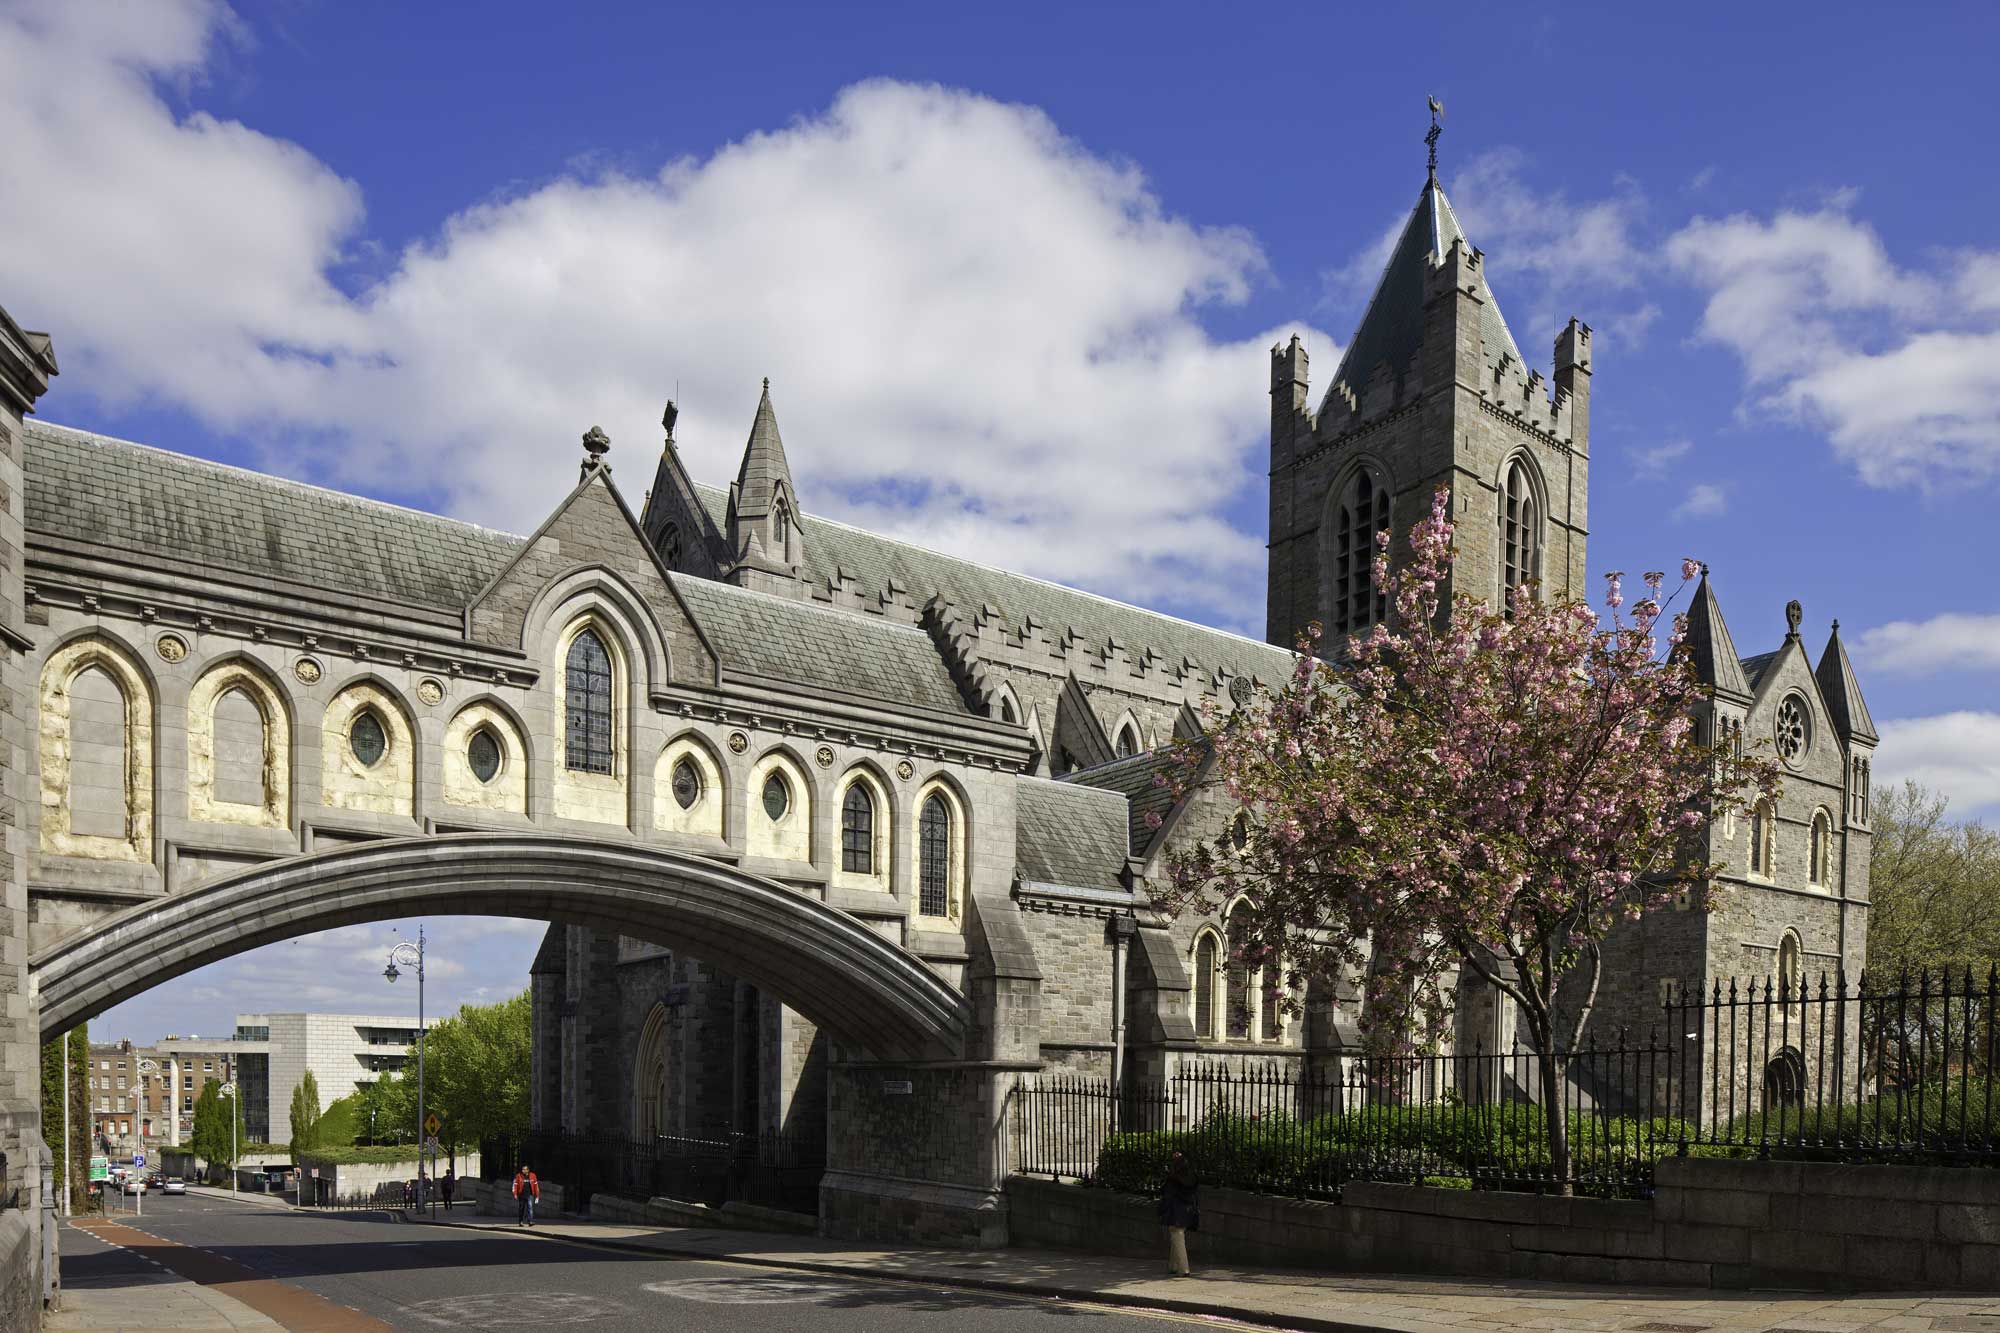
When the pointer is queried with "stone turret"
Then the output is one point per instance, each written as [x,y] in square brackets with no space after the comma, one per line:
[1838,683]
[766,543]
[1709,646]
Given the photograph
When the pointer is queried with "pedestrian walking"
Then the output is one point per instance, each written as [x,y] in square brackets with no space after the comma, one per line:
[450,1186]
[1180,1211]
[527,1189]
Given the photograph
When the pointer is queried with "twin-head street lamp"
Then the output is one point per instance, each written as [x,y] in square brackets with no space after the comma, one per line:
[413,955]
[229,1090]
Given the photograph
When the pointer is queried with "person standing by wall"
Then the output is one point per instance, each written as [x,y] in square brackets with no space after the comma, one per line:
[1180,1211]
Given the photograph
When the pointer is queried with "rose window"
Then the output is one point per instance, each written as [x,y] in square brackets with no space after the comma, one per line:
[1794,730]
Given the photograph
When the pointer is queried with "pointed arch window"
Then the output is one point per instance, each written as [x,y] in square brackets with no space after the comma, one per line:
[1763,838]
[587,701]
[781,529]
[1819,862]
[1239,1003]
[1357,603]
[934,857]
[1790,966]
[1127,744]
[857,831]
[1521,530]
[1207,970]
[670,546]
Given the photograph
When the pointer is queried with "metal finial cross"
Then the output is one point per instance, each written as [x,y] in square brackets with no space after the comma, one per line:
[1437,130]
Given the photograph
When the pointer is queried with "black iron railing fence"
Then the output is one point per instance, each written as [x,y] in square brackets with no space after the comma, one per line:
[1898,1070]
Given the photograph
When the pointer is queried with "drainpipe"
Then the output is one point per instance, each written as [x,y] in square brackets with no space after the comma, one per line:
[1122,928]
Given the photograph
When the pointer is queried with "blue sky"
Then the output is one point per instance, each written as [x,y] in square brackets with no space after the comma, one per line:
[1013,273]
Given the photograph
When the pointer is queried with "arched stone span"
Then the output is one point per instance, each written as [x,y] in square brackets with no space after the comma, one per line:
[820,961]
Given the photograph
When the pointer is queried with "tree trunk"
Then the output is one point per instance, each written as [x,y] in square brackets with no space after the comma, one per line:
[1554,1118]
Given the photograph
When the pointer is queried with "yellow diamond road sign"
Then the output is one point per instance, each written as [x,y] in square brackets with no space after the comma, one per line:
[431,1123]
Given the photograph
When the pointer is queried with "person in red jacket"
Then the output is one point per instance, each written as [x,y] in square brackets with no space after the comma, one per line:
[527,1189]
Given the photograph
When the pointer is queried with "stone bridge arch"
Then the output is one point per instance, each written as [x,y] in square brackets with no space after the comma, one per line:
[870,993]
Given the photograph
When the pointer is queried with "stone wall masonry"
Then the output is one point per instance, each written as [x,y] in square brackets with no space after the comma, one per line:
[1719,1224]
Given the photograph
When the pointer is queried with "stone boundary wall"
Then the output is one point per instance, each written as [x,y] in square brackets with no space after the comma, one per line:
[495,1198]
[733,1216]
[20,1273]
[1711,1224]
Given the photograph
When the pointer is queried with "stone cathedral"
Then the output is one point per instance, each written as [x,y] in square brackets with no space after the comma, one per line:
[827,826]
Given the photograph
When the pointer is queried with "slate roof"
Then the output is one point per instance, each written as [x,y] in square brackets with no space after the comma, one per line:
[1132,778]
[781,638]
[152,503]
[874,561]
[1069,834]
[1754,667]
[1392,328]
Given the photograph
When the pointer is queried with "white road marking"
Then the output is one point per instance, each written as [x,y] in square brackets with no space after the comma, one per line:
[516,1310]
[759,1289]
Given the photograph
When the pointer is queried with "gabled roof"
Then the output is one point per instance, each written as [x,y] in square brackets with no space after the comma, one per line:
[159,506]
[1069,835]
[1134,779]
[1842,691]
[834,551]
[1709,645]
[1755,667]
[1077,730]
[783,639]
[1392,328]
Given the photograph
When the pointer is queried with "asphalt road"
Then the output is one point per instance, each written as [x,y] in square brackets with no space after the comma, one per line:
[374,1271]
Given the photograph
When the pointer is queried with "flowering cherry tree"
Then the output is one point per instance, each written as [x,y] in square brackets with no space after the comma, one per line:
[1472,789]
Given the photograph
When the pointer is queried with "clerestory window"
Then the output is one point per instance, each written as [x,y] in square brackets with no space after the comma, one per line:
[587,699]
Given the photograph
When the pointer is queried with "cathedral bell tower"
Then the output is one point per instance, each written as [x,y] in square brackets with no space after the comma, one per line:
[1430,391]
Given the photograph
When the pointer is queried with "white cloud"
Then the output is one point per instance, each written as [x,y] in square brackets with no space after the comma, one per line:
[1901,368]
[1957,754]
[1658,460]
[947,293]
[1954,640]
[1703,500]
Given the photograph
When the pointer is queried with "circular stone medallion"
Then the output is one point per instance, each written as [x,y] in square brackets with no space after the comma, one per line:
[738,742]
[430,690]
[824,756]
[308,670]
[172,647]
[906,770]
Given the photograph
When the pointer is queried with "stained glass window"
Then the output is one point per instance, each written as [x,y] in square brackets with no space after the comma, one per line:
[686,783]
[367,739]
[1128,741]
[857,831]
[934,858]
[587,696]
[1236,997]
[1821,858]
[482,752]
[1794,730]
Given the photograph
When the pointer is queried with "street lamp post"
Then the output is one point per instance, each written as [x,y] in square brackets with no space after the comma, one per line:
[229,1090]
[414,954]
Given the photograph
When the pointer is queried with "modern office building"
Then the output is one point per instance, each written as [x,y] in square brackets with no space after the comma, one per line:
[343,1051]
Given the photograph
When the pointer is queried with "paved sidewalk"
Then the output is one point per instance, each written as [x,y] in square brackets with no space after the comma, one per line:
[1309,1301]
[109,1286]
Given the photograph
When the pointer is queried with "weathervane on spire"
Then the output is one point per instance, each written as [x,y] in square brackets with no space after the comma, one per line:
[1437,129]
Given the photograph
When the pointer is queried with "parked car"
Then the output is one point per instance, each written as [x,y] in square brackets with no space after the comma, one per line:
[132,1185]
[174,1185]
[154,1180]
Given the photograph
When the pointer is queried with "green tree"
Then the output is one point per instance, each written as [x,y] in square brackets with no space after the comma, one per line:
[81,1145]
[385,1111]
[1934,888]
[211,1139]
[476,1072]
[305,1114]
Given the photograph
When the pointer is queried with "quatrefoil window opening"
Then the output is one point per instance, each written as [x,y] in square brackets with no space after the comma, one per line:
[1794,730]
